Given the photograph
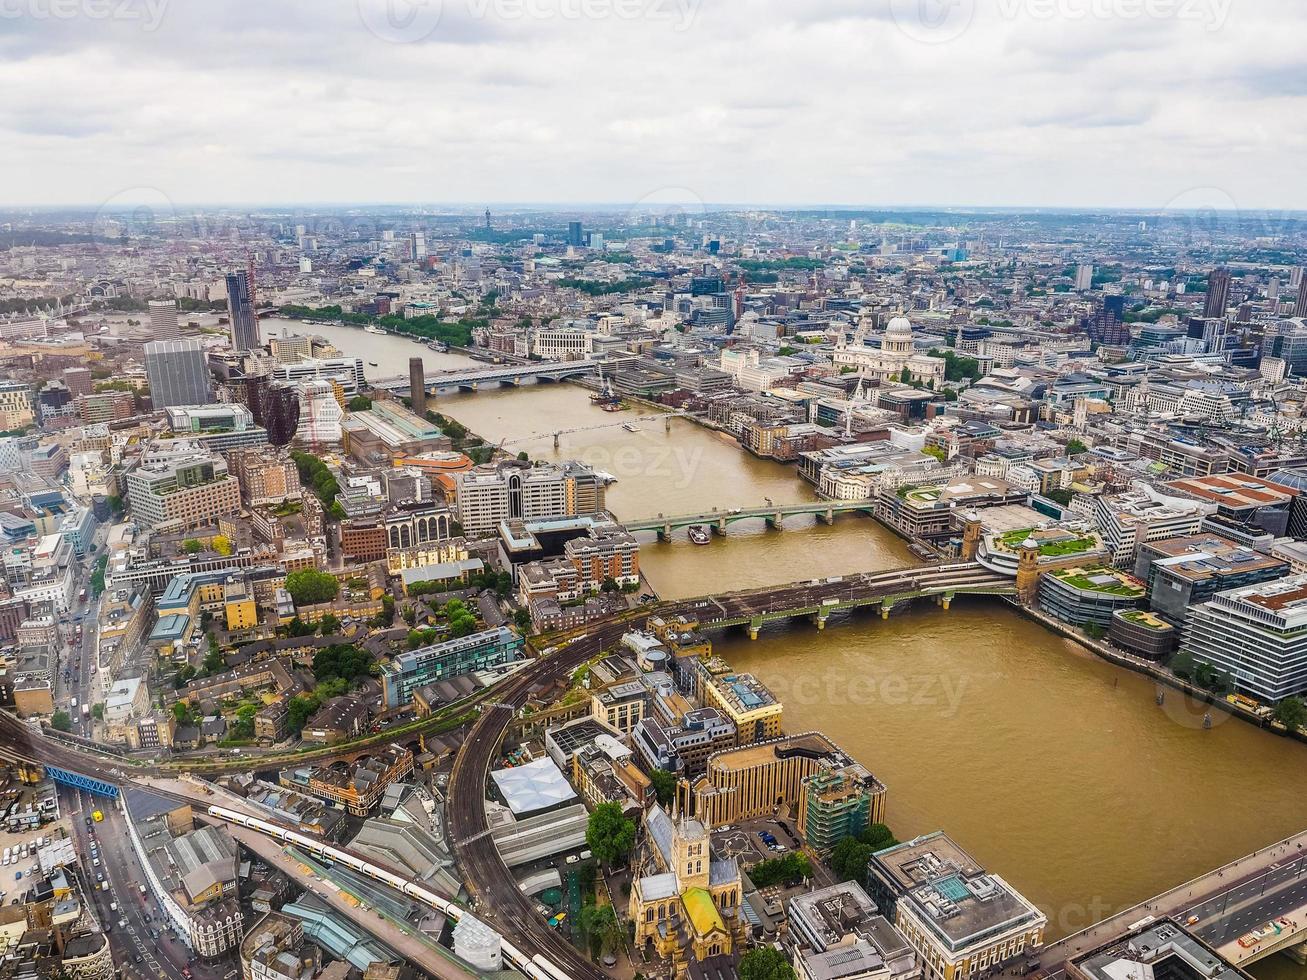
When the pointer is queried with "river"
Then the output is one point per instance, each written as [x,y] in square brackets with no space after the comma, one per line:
[1057,770]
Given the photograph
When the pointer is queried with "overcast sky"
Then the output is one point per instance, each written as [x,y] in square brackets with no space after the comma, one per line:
[1124,103]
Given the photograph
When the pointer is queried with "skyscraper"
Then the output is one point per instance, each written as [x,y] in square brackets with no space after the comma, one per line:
[1218,293]
[1300,307]
[1084,277]
[240,312]
[163,319]
[574,234]
[417,386]
[178,373]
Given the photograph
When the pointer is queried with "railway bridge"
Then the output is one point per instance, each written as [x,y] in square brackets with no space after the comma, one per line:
[472,379]
[773,514]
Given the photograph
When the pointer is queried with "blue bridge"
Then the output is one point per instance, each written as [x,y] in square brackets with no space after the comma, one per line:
[77,781]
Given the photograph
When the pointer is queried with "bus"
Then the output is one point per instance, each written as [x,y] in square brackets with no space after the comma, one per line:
[86,711]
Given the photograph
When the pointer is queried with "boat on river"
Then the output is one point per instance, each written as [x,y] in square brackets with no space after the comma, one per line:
[699,534]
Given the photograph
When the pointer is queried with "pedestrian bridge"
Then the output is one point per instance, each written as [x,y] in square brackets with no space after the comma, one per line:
[473,378]
[774,515]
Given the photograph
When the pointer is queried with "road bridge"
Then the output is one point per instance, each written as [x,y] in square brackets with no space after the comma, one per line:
[471,379]
[773,514]
[1246,910]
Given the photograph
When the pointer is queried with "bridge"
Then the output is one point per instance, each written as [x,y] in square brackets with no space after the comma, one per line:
[774,515]
[77,780]
[472,378]
[819,599]
[557,434]
[1246,910]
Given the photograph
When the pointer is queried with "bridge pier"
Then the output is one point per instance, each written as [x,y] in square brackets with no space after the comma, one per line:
[885,607]
[1297,953]
[827,516]
[754,626]
[557,439]
[665,533]
[819,619]
[720,526]
[667,423]
[944,600]
[777,520]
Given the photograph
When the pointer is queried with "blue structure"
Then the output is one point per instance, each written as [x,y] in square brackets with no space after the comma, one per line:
[77,781]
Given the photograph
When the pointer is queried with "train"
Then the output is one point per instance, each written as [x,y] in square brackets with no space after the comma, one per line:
[536,967]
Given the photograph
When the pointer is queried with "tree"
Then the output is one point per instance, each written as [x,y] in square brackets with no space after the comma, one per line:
[308,586]
[1291,713]
[1182,665]
[359,403]
[181,712]
[460,618]
[849,859]
[343,660]
[523,456]
[97,711]
[1075,447]
[214,663]
[61,722]
[221,544]
[300,710]
[328,625]
[610,835]
[664,786]
[599,923]
[522,620]
[765,963]
[939,452]
[192,546]
[878,836]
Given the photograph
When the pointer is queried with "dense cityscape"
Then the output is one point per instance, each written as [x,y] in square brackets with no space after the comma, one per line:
[308,676]
[653,490]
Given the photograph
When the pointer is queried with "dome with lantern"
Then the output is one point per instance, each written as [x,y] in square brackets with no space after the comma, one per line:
[898,336]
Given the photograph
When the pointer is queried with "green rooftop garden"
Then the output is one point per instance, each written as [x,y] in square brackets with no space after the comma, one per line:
[1141,617]
[1103,580]
[1054,548]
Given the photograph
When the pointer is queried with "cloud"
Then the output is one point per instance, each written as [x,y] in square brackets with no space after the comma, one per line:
[611,100]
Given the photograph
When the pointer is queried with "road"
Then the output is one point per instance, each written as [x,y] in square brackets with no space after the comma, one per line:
[1228,901]
[160,954]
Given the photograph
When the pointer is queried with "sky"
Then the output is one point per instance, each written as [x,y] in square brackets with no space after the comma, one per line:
[1075,103]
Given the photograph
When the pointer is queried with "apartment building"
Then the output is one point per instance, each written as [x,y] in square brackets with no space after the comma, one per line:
[180,487]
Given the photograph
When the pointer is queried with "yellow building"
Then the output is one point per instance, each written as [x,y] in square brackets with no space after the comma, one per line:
[238,605]
[744,699]
[685,905]
[752,781]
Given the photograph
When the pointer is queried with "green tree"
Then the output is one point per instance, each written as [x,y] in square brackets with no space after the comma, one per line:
[777,870]
[342,660]
[308,586]
[1075,448]
[181,713]
[192,546]
[97,711]
[765,963]
[328,625]
[609,834]
[61,722]
[359,403]
[1182,665]
[664,786]
[849,859]
[214,663]
[599,923]
[300,710]
[878,836]
[1291,713]
[522,620]
[939,452]
[461,620]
